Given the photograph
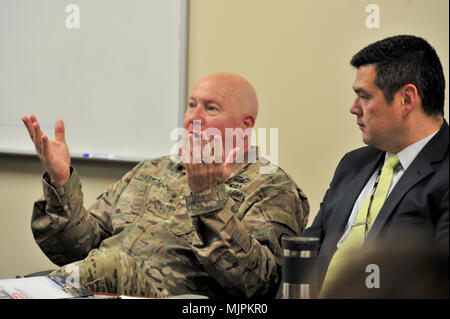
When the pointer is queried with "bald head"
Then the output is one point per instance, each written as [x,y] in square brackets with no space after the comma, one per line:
[235,89]
[222,101]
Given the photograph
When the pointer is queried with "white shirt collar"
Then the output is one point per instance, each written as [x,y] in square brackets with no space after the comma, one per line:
[408,154]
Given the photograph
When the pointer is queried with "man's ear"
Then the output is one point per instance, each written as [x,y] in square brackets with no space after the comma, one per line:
[409,98]
[248,121]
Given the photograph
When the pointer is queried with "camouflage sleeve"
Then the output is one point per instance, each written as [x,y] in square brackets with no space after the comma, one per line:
[240,246]
[63,228]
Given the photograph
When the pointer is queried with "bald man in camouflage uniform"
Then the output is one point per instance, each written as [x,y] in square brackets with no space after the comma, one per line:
[169,228]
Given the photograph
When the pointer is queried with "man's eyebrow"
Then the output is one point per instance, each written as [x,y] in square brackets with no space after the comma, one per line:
[205,99]
[208,100]
[361,91]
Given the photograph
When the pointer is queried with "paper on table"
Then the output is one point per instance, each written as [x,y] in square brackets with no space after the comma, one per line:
[41,287]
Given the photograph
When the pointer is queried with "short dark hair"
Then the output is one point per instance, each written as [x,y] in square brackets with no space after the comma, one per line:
[404,59]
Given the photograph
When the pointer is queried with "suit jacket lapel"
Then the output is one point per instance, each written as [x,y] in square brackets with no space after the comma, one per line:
[350,195]
[419,169]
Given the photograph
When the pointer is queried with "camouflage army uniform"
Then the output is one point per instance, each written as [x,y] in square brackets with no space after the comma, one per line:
[149,235]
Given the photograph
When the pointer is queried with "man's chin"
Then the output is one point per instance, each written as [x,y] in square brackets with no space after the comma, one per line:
[366,140]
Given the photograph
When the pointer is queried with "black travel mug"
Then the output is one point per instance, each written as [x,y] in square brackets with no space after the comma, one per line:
[299,267]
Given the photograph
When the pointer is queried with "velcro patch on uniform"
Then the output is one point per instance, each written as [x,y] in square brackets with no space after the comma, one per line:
[149,179]
[241,179]
[233,185]
[236,195]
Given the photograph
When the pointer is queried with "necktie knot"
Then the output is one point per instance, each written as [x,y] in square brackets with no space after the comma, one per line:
[392,162]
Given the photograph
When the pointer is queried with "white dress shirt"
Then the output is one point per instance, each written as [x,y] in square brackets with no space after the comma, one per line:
[405,156]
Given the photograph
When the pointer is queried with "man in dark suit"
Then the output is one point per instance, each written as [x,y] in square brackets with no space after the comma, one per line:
[399,108]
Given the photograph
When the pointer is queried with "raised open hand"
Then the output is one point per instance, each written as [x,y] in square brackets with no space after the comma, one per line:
[211,170]
[54,155]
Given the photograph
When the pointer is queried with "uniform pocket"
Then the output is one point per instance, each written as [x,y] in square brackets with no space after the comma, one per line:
[164,198]
[181,228]
[131,206]
[281,217]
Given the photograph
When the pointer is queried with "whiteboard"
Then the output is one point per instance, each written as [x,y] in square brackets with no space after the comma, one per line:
[118,80]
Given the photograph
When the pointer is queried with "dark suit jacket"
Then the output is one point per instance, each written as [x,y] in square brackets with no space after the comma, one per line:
[418,203]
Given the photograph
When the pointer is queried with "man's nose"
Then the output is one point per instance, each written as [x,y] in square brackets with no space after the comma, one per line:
[196,114]
[355,108]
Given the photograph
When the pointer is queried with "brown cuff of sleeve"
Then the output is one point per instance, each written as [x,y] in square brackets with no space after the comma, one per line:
[207,201]
[60,195]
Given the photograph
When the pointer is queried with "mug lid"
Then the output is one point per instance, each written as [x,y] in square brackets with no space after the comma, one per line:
[300,243]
